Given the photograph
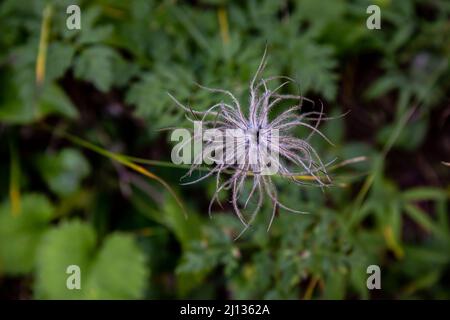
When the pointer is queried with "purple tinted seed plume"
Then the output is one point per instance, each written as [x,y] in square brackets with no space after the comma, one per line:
[296,156]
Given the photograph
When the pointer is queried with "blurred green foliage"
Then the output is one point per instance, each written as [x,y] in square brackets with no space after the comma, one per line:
[108,82]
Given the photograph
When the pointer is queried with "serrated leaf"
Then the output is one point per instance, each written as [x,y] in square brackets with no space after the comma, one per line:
[119,270]
[21,233]
[313,65]
[90,33]
[59,59]
[319,12]
[24,102]
[71,243]
[150,97]
[94,64]
[115,271]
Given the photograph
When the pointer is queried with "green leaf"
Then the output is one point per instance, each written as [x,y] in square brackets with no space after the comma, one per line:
[319,12]
[95,64]
[423,220]
[424,193]
[313,66]
[410,138]
[20,234]
[185,229]
[59,60]
[432,255]
[23,101]
[197,260]
[150,97]
[13,109]
[64,171]
[90,33]
[117,270]
[123,71]
[382,86]
[335,286]
[335,128]
[71,243]
[54,100]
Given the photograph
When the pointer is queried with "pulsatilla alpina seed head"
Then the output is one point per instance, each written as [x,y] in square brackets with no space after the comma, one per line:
[253,145]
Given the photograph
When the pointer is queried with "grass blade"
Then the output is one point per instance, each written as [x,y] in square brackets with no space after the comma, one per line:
[14,181]
[124,161]
[43,45]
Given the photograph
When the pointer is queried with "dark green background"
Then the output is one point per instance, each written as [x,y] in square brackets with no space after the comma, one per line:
[107,83]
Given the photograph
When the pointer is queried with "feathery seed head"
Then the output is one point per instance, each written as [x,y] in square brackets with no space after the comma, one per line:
[254,146]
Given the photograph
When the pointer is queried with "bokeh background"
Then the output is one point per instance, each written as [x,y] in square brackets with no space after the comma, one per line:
[74,102]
